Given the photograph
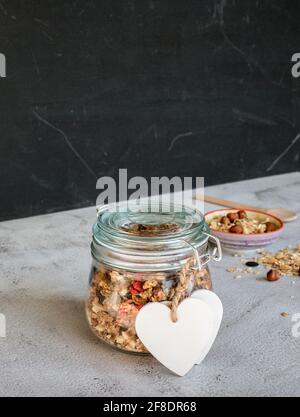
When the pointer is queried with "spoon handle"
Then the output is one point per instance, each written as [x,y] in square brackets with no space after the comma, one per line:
[224,203]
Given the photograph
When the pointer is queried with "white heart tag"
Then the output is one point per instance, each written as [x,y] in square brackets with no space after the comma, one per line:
[176,345]
[216,305]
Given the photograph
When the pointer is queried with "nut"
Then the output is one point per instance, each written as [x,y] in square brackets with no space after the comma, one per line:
[273,275]
[224,220]
[270,227]
[236,229]
[232,216]
[242,214]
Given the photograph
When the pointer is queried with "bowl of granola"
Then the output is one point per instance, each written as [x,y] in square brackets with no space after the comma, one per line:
[244,229]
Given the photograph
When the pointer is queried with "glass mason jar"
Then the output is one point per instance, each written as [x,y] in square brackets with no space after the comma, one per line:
[141,256]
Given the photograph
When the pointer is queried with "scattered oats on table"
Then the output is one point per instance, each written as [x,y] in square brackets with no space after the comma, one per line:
[233,269]
[286,261]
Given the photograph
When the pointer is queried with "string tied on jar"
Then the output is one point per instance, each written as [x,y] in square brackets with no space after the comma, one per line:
[184,278]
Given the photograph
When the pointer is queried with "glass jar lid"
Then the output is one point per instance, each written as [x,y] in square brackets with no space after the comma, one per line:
[146,238]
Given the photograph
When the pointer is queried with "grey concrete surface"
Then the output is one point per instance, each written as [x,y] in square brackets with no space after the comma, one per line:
[49,349]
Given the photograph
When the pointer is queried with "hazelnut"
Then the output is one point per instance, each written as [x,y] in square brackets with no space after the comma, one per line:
[236,229]
[242,214]
[270,227]
[273,275]
[224,220]
[232,216]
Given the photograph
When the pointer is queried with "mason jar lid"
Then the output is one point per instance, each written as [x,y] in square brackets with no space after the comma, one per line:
[143,237]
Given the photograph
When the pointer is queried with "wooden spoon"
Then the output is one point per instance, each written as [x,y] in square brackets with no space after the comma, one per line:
[283,214]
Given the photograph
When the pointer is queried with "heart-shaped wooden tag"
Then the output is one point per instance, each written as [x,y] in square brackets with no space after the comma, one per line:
[216,305]
[177,345]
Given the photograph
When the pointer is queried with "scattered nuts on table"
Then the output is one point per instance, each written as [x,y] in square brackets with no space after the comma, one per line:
[273,275]
[285,262]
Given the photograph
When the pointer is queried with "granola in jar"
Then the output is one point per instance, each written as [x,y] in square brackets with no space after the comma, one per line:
[117,296]
[148,267]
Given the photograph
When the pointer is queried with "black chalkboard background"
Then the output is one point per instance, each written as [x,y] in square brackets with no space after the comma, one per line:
[188,88]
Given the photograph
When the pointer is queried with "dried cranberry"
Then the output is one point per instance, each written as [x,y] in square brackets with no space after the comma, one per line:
[137,285]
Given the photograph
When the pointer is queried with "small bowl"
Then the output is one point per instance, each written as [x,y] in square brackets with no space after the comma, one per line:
[239,241]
